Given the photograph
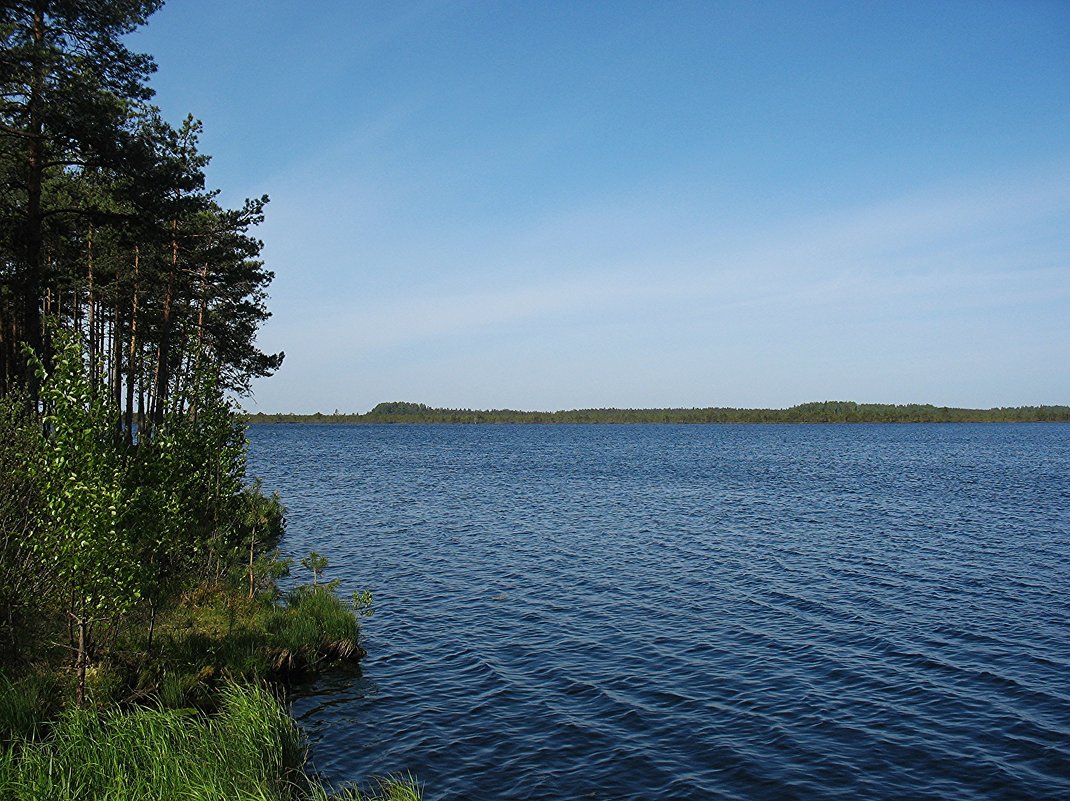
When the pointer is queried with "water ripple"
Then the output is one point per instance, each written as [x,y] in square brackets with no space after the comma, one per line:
[674,612]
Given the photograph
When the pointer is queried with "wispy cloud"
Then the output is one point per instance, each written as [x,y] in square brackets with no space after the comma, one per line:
[938,247]
[953,264]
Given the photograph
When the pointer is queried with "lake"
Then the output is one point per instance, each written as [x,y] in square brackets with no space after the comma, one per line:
[692,612]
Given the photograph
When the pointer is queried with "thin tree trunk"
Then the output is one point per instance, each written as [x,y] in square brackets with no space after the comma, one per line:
[131,361]
[79,697]
[159,402]
[142,425]
[92,305]
[252,546]
[32,278]
[152,624]
[76,319]
[117,367]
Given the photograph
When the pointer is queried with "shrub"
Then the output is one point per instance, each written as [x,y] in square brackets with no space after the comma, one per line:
[25,579]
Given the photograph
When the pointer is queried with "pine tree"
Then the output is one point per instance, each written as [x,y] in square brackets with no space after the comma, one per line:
[69,89]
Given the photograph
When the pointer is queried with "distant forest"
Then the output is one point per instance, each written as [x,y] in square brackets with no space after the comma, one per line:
[822,412]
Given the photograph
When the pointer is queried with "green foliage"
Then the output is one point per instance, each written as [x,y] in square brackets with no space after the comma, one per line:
[199,467]
[69,88]
[123,528]
[401,409]
[262,521]
[106,212]
[25,578]
[263,514]
[82,480]
[316,564]
[824,412]
[250,750]
[362,603]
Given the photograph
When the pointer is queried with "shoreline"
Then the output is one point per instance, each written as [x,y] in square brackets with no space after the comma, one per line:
[828,412]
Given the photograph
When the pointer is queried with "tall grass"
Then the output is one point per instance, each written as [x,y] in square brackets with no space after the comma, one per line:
[313,626]
[27,703]
[250,750]
[391,788]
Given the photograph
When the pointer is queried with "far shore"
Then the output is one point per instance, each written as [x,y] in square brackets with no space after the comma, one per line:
[820,412]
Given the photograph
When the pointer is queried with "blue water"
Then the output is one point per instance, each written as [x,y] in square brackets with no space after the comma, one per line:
[692,612]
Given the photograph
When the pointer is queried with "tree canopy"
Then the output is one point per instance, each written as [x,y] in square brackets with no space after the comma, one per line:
[107,225]
[130,300]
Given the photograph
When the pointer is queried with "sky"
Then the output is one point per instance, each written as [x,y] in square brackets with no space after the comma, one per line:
[555,205]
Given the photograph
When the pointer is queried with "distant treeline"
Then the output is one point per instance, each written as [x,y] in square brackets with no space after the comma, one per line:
[823,412]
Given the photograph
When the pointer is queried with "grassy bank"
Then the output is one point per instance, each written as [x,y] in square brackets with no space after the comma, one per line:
[249,749]
[229,637]
[194,716]
[141,619]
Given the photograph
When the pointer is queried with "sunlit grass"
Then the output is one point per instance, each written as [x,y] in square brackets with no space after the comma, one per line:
[193,719]
[391,788]
[250,750]
[314,625]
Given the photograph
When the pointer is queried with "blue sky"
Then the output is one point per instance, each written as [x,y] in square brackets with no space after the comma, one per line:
[549,205]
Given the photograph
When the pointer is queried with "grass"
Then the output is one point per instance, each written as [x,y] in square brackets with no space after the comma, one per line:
[222,635]
[250,750]
[27,704]
[313,626]
[193,720]
[227,636]
[391,788]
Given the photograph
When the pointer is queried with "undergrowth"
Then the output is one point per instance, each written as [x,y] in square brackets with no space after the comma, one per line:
[225,636]
[192,717]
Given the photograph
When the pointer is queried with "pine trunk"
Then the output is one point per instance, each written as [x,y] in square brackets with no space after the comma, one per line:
[163,356]
[131,359]
[35,173]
